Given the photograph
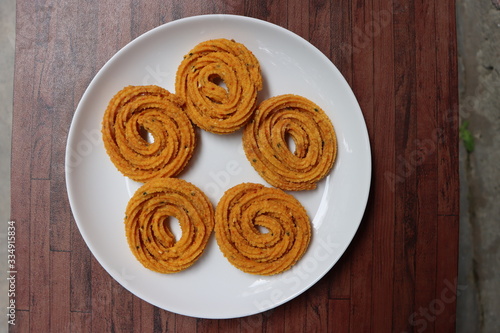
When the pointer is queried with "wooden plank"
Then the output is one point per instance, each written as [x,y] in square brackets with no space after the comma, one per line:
[62,105]
[80,270]
[362,85]
[424,158]
[296,313]
[84,46]
[319,25]
[165,321]
[230,325]
[405,186]
[361,283]
[40,257]
[341,45]
[274,320]
[339,315]
[443,306]
[298,18]
[81,322]
[142,23]
[226,7]
[207,325]
[41,127]
[153,319]
[447,103]
[60,315]
[339,277]
[113,29]
[101,298]
[122,306]
[139,316]
[341,52]
[146,310]
[251,323]
[425,260]
[181,9]
[178,322]
[317,307]
[22,322]
[90,288]
[20,215]
[383,147]
[270,11]
[447,287]
[21,152]
[60,227]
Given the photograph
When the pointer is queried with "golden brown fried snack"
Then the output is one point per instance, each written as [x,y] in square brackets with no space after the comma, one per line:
[131,113]
[266,147]
[240,212]
[148,235]
[208,104]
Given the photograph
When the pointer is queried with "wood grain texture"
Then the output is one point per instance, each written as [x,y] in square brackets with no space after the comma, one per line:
[406,184]
[399,273]
[361,316]
[384,117]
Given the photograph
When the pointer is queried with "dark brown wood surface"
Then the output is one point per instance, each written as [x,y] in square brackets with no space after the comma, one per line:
[400,272]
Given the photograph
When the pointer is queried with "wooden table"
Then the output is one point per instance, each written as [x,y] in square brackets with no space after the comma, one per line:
[400,272]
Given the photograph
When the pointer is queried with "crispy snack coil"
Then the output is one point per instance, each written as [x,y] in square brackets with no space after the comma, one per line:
[245,207]
[146,224]
[136,110]
[265,142]
[208,104]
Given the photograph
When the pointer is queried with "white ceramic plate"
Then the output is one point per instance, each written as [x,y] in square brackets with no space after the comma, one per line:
[212,288]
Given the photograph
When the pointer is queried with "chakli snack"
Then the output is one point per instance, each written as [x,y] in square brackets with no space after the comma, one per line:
[265,142]
[148,235]
[136,110]
[238,215]
[208,104]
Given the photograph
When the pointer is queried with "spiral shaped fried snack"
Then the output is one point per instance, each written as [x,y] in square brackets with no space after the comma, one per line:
[208,104]
[137,110]
[265,142]
[240,212]
[146,224]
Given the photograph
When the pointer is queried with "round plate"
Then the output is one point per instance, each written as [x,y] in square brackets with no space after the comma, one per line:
[212,288]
